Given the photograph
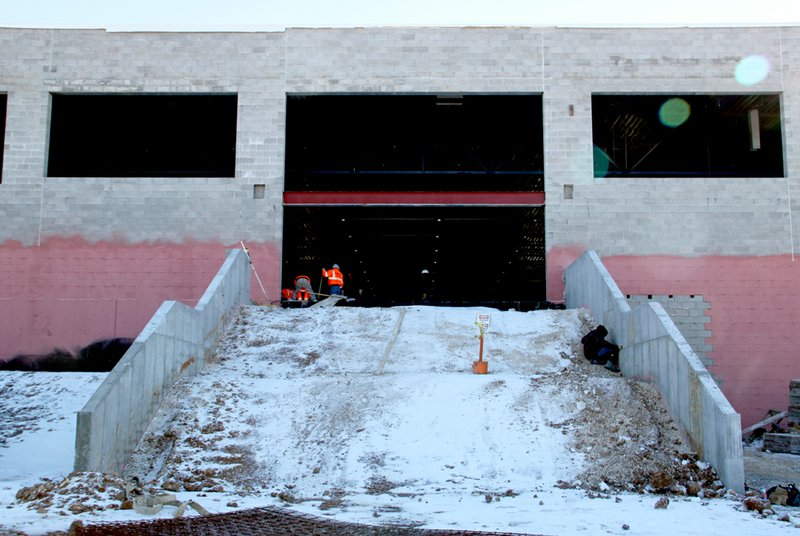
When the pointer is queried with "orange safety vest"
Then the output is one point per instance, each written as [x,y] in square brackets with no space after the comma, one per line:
[334,276]
[302,294]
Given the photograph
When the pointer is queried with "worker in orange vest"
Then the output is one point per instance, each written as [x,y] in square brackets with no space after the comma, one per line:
[335,280]
[302,289]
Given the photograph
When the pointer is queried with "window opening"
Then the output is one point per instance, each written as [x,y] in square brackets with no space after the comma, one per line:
[142,136]
[687,136]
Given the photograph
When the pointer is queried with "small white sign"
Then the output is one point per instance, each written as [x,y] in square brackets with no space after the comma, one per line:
[485,320]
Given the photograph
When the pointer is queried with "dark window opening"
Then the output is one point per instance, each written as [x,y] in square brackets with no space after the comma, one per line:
[142,136]
[491,256]
[414,143]
[3,106]
[687,136]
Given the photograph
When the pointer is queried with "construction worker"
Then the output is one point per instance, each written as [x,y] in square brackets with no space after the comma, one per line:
[302,290]
[335,280]
[425,285]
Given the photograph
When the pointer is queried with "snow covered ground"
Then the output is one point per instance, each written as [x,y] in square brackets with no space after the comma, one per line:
[327,412]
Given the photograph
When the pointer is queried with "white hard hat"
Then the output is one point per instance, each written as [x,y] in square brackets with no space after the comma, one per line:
[336,266]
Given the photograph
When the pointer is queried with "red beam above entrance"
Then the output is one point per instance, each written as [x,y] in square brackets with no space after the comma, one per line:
[414,198]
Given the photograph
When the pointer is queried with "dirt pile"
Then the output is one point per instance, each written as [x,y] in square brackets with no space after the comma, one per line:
[621,427]
[75,494]
[628,437]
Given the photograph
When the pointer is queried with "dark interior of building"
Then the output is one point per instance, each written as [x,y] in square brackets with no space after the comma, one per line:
[687,135]
[474,255]
[482,254]
[414,143]
[142,135]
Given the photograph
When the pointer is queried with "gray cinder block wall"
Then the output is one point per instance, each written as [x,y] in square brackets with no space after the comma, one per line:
[654,350]
[565,65]
[37,62]
[177,341]
[688,314]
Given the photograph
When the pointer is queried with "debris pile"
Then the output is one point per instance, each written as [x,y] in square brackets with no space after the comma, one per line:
[628,437]
[75,494]
[777,438]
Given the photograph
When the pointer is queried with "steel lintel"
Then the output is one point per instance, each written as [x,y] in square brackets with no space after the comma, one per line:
[414,198]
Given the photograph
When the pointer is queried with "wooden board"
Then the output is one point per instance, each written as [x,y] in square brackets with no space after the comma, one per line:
[330,301]
[769,420]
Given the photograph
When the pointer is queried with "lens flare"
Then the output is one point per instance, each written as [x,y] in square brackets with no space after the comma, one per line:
[751,70]
[601,163]
[674,112]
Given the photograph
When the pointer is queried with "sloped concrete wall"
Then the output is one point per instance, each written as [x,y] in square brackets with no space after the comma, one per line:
[654,350]
[688,314]
[177,341]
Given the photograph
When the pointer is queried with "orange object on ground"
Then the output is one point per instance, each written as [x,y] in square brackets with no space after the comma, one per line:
[480,366]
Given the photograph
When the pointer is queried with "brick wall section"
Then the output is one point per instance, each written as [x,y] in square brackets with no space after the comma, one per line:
[566,65]
[753,322]
[652,216]
[688,312]
[749,221]
[37,62]
[68,293]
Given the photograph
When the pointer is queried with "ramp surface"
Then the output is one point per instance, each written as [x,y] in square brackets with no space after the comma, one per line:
[295,406]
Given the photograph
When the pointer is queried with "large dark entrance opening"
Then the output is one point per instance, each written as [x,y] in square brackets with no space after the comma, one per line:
[474,255]
[435,199]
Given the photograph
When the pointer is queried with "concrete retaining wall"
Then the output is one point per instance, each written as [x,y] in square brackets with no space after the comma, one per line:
[688,312]
[654,350]
[177,341]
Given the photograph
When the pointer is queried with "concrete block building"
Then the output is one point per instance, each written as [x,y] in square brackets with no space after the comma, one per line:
[491,158]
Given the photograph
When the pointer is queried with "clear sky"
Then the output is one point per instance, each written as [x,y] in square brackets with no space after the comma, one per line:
[193,15]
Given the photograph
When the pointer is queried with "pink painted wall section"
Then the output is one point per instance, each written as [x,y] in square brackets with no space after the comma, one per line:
[755,318]
[557,261]
[67,293]
[265,267]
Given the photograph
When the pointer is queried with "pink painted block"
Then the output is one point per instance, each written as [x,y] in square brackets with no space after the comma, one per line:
[68,292]
[753,313]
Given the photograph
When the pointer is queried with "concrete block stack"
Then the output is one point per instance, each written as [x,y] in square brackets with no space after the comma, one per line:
[787,442]
[784,443]
[794,403]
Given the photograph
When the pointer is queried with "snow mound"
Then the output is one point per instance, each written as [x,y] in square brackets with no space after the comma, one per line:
[374,416]
[329,408]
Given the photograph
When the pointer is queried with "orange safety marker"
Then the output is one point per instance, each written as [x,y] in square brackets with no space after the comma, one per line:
[480,366]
